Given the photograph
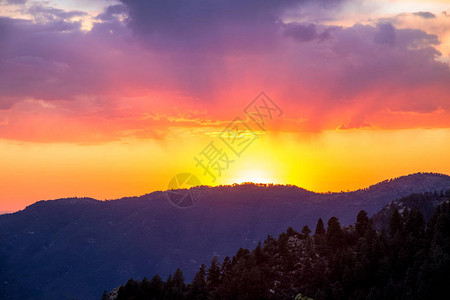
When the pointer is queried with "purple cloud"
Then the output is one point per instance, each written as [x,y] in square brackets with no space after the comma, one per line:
[301,32]
[307,32]
[16,1]
[111,12]
[385,34]
[50,14]
[425,14]
[210,51]
[208,26]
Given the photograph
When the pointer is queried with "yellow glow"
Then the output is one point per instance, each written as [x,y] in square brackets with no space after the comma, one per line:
[327,161]
[255,175]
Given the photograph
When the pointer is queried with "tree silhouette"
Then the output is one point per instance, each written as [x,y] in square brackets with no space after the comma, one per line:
[320,228]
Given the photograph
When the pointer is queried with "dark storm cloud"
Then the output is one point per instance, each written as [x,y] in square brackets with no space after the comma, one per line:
[204,25]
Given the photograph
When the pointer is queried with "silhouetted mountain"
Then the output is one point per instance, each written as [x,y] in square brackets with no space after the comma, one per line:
[78,247]
[410,260]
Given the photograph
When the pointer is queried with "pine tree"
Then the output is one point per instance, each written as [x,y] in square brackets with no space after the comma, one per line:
[320,228]
[414,223]
[198,290]
[258,254]
[226,266]
[144,289]
[395,223]
[213,276]
[362,223]
[156,287]
[131,289]
[291,232]
[178,284]
[306,231]
[168,288]
[334,233]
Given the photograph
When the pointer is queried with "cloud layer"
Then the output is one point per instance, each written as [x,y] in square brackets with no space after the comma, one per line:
[146,57]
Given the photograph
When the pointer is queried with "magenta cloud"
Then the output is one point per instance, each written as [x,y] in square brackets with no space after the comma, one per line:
[199,50]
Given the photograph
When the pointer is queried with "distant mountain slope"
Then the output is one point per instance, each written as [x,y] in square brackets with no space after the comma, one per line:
[76,248]
[411,260]
[425,203]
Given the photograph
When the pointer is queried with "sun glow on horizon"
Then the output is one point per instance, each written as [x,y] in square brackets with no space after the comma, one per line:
[331,161]
[93,105]
[255,176]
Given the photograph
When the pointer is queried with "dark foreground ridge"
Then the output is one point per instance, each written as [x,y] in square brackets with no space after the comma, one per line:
[408,259]
[76,248]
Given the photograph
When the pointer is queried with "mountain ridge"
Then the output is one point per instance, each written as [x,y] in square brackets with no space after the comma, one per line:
[77,200]
[77,247]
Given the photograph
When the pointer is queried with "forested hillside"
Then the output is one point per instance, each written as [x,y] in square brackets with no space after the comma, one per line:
[75,248]
[410,259]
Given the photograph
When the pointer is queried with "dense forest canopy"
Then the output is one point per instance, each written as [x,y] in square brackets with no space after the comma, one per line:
[408,259]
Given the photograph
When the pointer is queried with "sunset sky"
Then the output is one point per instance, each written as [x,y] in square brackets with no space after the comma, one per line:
[107,99]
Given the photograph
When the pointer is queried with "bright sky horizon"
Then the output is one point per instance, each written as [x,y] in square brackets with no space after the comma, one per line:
[108,99]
